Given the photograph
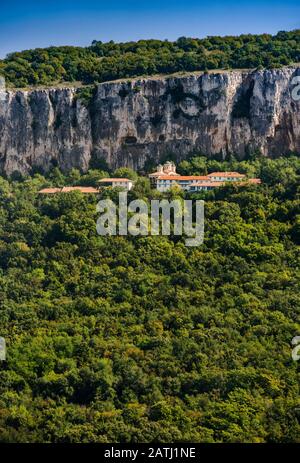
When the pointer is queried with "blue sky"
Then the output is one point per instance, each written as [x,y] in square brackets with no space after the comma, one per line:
[30,24]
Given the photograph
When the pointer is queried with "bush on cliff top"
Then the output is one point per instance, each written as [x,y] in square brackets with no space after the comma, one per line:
[107,61]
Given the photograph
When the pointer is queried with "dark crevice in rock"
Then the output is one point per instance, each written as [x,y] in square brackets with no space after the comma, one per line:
[241,108]
[130,140]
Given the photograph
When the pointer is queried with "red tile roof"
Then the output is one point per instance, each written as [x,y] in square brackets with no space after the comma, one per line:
[211,184]
[183,177]
[82,189]
[68,189]
[226,174]
[256,181]
[47,191]
[105,180]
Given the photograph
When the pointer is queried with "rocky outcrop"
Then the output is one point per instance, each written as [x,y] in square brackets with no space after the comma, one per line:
[128,123]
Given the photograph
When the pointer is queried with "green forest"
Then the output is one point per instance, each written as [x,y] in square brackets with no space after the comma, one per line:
[101,62]
[142,339]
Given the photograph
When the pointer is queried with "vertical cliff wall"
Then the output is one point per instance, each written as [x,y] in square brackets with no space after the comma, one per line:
[126,123]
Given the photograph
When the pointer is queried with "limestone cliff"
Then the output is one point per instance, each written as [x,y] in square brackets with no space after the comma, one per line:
[126,123]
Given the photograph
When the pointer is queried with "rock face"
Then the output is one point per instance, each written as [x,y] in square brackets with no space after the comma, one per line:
[128,123]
